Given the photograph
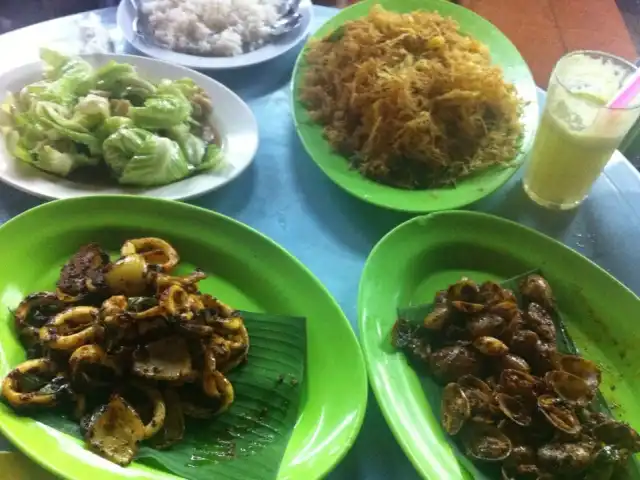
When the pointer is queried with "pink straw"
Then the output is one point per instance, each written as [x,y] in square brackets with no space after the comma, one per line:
[627,93]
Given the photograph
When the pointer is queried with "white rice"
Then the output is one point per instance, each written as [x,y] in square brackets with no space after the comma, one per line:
[212,27]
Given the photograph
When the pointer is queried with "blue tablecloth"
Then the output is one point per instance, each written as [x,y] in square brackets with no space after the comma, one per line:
[284,195]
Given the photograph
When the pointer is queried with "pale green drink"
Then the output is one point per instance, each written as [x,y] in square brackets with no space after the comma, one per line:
[577,133]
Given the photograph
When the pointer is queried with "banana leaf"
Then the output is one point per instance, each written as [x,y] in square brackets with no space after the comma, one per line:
[415,315]
[249,440]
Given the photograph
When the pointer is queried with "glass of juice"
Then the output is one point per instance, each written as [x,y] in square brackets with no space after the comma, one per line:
[578,131]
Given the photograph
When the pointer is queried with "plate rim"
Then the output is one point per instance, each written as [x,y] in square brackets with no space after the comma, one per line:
[421,202]
[134,60]
[423,468]
[212,63]
[332,458]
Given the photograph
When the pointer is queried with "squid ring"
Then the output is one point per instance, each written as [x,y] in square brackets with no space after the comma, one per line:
[32,301]
[54,333]
[155,251]
[212,303]
[10,384]
[175,301]
[216,385]
[159,410]
[188,282]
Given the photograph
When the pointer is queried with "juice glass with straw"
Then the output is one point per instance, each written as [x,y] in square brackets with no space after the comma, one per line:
[592,101]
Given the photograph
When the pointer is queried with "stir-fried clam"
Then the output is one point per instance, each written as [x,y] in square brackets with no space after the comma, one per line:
[510,397]
[128,346]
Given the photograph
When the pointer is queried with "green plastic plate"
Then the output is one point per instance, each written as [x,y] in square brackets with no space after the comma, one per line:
[429,253]
[467,191]
[247,270]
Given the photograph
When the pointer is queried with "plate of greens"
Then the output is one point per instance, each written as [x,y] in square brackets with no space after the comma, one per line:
[476,314]
[414,105]
[112,124]
[136,347]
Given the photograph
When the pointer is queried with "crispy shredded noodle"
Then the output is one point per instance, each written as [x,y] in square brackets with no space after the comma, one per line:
[410,100]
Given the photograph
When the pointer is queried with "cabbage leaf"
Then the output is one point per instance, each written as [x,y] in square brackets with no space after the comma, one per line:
[158,161]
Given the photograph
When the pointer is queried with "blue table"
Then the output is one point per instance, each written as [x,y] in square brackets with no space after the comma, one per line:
[285,196]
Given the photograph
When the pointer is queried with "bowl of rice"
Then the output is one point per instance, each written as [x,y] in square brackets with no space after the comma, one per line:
[213,34]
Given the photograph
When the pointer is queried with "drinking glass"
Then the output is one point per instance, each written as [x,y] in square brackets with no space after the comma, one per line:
[578,131]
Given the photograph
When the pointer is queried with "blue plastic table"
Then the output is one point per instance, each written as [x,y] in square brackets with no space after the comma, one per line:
[284,195]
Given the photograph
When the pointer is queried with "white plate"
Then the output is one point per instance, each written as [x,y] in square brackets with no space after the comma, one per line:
[232,118]
[126,14]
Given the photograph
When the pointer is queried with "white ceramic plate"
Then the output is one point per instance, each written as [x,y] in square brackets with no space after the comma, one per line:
[232,118]
[126,14]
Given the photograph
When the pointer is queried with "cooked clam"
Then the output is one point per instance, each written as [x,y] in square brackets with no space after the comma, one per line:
[565,458]
[606,463]
[464,290]
[455,409]
[513,326]
[492,293]
[559,414]
[580,367]
[618,434]
[490,346]
[485,442]
[486,325]
[436,319]
[509,395]
[524,343]
[539,321]
[536,289]
[507,309]
[514,409]
[404,336]
[511,361]
[474,383]
[521,463]
[569,387]
[450,363]
[518,383]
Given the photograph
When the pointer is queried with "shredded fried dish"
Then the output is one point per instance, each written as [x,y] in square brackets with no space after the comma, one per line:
[410,100]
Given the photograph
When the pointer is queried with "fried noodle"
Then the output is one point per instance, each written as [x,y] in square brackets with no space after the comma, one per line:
[410,100]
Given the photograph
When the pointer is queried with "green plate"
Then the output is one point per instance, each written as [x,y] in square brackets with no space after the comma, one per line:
[247,270]
[467,191]
[429,253]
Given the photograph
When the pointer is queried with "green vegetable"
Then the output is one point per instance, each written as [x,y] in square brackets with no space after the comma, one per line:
[167,108]
[122,146]
[57,118]
[193,148]
[212,158]
[158,161]
[51,160]
[66,79]
[77,116]
[91,111]
[111,125]
[121,80]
